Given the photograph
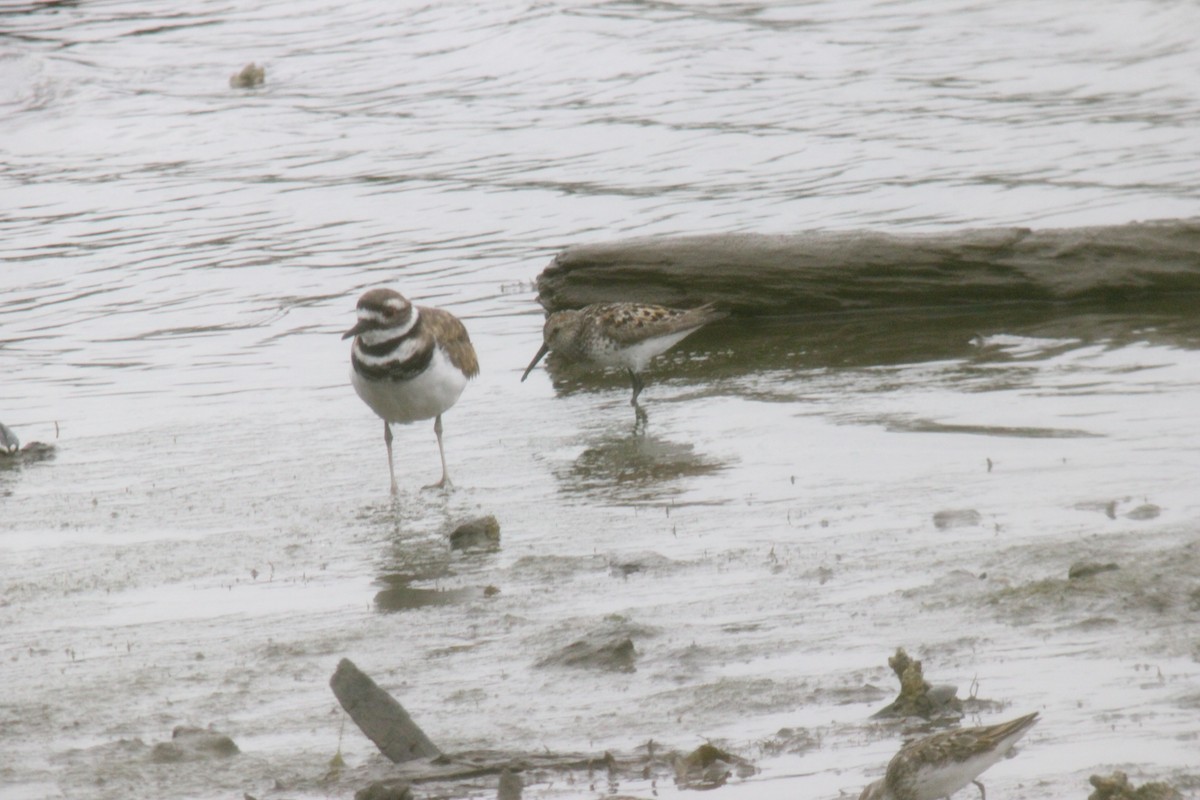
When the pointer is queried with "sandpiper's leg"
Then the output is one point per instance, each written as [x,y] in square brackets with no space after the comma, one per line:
[640,418]
[636,380]
[387,439]
[445,481]
[982,793]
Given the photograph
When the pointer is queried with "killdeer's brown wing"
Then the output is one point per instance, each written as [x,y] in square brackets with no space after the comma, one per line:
[451,335]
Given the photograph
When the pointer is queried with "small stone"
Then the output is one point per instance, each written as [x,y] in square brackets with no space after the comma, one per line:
[956,518]
[481,533]
[250,76]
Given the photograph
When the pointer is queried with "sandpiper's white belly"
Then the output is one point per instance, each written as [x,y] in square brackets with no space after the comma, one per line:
[423,397]
[636,356]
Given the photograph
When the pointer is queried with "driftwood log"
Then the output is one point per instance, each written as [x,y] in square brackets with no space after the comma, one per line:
[860,270]
[418,760]
[379,716]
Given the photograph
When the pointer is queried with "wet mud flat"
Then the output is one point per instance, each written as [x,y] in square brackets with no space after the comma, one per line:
[1006,492]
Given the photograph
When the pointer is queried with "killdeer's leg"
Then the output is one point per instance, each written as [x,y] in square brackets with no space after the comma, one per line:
[982,793]
[387,439]
[636,380]
[445,481]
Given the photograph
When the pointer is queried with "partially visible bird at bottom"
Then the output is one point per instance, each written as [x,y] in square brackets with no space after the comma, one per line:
[626,335]
[937,766]
[409,363]
[9,443]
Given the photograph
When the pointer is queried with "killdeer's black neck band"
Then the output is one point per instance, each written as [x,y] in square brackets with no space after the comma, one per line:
[404,370]
[385,347]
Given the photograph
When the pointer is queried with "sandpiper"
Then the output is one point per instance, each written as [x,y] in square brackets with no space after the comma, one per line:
[937,766]
[409,363]
[620,335]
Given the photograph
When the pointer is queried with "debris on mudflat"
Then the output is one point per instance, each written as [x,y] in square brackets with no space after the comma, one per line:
[918,698]
[193,744]
[708,767]
[1086,569]
[956,518]
[1118,787]
[420,763]
[481,533]
[249,77]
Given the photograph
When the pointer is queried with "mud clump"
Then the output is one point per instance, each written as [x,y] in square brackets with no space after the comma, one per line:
[249,77]
[381,791]
[193,744]
[615,654]
[918,698]
[1118,787]
[1086,569]
[481,533]
[708,767]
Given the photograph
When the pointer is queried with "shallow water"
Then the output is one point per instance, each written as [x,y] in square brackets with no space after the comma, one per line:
[214,529]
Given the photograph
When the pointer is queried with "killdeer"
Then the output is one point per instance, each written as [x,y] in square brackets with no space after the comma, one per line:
[939,765]
[409,363]
[620,335]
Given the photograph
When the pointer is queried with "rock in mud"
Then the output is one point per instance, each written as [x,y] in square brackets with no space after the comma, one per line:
[1144,511]
[1086,569]
[1117,787]
[632,563]
[612,654]
[956,518]
[193,744]
[481,533]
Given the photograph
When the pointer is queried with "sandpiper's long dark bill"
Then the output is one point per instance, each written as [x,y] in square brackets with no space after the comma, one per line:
[408,363]
[938,766]
[624,335]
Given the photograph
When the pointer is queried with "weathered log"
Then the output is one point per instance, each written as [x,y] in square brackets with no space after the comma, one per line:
[379,716]
[841,271]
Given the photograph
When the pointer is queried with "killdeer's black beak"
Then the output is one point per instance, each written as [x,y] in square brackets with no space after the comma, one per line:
[357,329]
[545,349]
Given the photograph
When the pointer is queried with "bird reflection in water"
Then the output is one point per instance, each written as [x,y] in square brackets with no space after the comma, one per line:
[638,468]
